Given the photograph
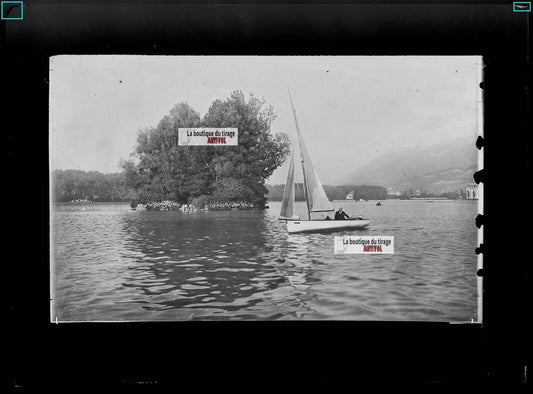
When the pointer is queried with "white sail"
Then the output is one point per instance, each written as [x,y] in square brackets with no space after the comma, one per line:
[316,198]
[318,201]
[287,204]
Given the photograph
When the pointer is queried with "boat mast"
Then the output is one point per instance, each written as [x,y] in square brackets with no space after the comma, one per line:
[301,156]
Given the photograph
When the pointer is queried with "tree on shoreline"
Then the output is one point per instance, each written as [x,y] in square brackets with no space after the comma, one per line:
[160,169]
[72,184]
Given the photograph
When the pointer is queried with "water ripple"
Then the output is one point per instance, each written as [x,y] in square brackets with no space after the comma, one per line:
[111,263]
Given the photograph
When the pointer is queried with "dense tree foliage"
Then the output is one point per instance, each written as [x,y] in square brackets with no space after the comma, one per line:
[365,192]
[71,185]
[160,169]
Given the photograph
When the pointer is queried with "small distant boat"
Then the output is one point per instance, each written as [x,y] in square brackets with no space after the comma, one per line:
[378,204]
[133,205]
[315,197]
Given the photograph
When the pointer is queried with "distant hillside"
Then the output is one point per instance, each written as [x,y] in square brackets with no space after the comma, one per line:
[366,192]
[444,167]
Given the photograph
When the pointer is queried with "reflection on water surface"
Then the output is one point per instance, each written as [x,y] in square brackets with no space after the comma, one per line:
[112,263]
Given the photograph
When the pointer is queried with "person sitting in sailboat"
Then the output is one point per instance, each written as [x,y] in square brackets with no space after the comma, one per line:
[341,215]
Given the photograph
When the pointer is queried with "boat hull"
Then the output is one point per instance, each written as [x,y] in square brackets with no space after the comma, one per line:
[302,226]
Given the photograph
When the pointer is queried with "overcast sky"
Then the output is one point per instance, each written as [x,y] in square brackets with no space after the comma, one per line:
[350,109]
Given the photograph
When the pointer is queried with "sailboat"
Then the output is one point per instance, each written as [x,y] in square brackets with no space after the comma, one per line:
[315,197]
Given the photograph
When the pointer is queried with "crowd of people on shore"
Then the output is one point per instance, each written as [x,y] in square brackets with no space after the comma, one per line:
[162,206]
[80,201]
[214,206]
[229,206]
[188,208]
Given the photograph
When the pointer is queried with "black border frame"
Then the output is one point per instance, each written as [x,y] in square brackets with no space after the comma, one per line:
[324,355]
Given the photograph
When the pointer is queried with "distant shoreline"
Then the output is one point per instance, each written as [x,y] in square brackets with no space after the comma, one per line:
[268,201]
[92,203]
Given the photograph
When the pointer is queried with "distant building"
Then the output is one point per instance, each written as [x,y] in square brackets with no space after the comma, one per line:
[472,192]
[349,196]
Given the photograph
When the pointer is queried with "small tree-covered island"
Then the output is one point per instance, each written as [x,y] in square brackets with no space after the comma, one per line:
[208,177]
[162,175]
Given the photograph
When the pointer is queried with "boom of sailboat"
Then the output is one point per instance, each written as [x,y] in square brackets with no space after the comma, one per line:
[316,200]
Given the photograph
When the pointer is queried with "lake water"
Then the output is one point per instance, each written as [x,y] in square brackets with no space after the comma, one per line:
[110,263]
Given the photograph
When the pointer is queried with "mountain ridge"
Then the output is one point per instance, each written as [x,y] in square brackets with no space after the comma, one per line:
[443,167]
